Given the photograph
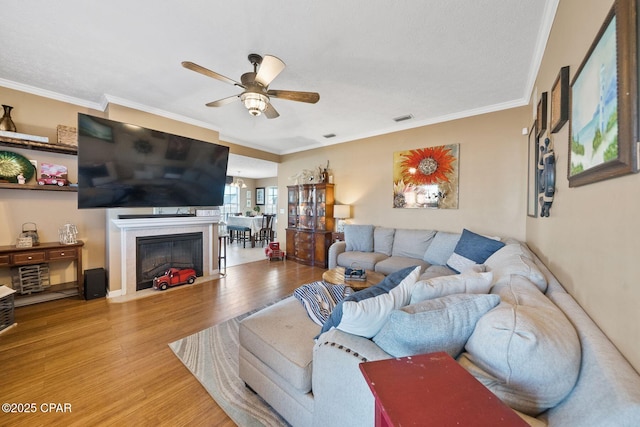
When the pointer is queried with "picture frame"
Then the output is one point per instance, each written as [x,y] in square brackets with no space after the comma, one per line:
[559,102]
[532,173]
[260,195]
[541,115]
[426,178]
[603,126]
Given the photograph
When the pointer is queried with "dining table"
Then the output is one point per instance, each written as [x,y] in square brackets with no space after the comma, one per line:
[254,223]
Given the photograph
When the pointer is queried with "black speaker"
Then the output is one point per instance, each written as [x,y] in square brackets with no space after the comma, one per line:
[95,283]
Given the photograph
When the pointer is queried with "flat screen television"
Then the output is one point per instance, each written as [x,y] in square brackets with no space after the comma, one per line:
[123,165]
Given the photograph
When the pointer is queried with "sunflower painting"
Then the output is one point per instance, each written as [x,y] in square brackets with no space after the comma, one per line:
[426,177]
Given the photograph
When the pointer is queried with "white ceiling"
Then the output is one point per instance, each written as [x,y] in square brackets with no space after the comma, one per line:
[371,61]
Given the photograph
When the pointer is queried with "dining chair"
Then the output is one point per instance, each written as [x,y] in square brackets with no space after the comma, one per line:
[266,229]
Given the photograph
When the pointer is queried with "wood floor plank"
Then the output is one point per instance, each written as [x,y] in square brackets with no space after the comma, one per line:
[111,361]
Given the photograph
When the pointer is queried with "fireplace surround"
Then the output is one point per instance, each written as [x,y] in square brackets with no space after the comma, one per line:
[122,246]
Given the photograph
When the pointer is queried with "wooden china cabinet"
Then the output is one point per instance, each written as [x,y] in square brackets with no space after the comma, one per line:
[309,223]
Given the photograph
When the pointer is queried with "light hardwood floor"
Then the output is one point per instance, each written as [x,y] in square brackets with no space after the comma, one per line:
[111,362]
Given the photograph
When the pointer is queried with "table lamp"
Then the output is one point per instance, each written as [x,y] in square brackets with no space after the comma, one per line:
[341,212]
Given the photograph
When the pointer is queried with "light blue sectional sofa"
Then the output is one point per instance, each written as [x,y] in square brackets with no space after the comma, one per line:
[526,338]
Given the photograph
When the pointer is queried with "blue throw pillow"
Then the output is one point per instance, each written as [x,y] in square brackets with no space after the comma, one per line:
[472,249]
[359,237]
[365,312]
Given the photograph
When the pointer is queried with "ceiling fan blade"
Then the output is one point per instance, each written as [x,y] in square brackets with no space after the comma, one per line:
[199,69]
[270,112]
[223,101]
[309,97]
[269,69]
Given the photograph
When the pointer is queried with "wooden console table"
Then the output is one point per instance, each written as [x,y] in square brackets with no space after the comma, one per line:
[432,390]
[11,256]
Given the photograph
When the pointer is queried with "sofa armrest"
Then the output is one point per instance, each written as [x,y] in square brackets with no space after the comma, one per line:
[334,250]
[337,380]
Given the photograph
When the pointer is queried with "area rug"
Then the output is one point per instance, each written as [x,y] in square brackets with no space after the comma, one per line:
[212,357]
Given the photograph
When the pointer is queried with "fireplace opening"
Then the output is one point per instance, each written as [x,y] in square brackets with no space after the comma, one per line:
[156,254]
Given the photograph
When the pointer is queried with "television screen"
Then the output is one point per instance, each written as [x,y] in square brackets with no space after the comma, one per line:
[123,165]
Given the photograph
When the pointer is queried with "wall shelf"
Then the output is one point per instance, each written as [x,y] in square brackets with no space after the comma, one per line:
[39,146]
[11,186]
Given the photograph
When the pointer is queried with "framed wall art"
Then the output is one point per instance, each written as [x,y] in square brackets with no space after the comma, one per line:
[259,195]
[604,112]
[541,115]
[559,103]
[532,174]
[426,177]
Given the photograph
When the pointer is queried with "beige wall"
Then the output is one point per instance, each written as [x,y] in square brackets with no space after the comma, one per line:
[36,115]
[591,241]
[492,175]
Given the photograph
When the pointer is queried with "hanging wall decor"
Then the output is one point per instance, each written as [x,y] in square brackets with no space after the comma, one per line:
[604,111]
[532,176]
[560,100]
[546,176]
[426,177]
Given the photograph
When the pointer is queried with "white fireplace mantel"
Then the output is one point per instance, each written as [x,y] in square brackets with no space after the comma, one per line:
[131,228]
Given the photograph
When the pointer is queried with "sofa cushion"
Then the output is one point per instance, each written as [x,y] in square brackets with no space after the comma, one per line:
[441,324]
[366,260]
[470,282]
[514,259]
[472,249]
[288,354]
[525,350]
[359,237]
[411,243]
[319,299]
[395,263]
[364,312]
[441,248]
[383,240]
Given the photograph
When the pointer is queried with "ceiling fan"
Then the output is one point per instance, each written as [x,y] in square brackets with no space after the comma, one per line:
[256,96]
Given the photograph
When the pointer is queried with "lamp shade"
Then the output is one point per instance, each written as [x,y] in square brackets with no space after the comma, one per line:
[342,211]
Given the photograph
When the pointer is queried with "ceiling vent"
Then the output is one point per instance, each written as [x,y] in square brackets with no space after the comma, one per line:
[329,135]
[403,118]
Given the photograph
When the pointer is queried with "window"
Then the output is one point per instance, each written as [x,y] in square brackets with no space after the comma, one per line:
[271,200]
[231,201]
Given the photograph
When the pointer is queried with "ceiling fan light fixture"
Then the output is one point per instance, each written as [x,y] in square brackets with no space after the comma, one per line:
[256,103]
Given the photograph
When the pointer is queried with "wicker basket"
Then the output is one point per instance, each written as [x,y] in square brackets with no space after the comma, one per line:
[6,307]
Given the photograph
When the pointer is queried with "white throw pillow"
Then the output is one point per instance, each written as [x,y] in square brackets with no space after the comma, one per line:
[364,312]
[467,283]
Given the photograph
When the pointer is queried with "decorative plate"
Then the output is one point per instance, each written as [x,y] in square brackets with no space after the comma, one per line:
[12,165]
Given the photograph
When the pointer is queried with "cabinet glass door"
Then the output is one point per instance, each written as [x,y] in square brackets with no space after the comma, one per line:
[292,207]
[306,207]
[321,209]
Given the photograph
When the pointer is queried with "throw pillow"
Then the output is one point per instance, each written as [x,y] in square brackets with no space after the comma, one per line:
[515,259]
[441,248]
[383,240]
[319,299]
[525,350]
[441,324]
[472,249]
[467,283]
[364,312]
[358,237]
[411,243]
